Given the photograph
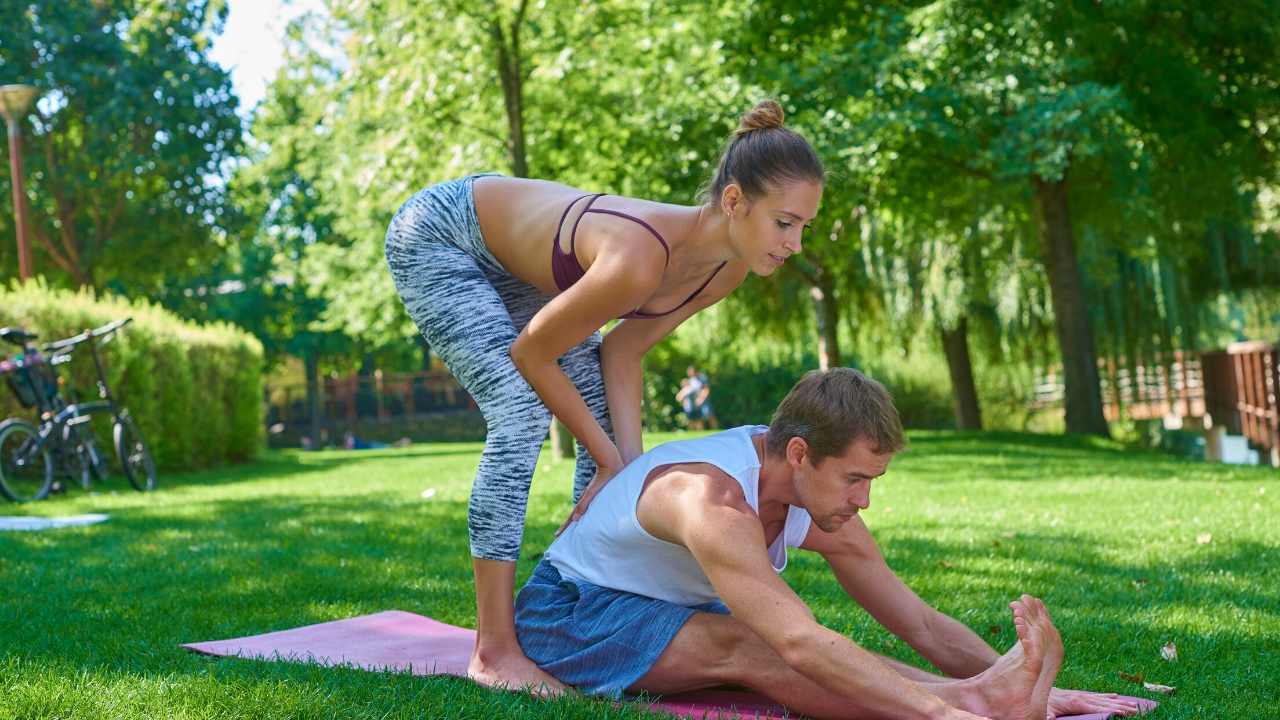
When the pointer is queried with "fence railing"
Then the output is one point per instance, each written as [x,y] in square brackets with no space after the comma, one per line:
[1242,384]
[379,396]
[1172,385]
[1237,389]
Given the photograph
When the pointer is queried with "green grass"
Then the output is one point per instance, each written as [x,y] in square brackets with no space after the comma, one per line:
[91,617]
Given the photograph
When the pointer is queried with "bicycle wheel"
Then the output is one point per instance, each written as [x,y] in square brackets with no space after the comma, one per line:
[26,468]
[82,436]
[80,456]
[134,456]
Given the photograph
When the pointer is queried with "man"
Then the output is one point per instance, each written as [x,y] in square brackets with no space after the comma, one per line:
[694,398]
[632,597]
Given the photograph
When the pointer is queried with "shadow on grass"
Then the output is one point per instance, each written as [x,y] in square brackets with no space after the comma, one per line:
[275,465]
[117,599]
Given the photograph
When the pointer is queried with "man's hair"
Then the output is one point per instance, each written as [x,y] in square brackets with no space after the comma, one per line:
[830,409]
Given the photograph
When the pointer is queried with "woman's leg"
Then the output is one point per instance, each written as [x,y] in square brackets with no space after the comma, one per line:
[459,311]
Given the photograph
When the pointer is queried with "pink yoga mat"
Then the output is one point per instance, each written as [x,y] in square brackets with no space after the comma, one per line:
[396,640]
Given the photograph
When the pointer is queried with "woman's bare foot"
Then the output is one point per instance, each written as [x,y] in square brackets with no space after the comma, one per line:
[497,660]
[512,671]
[1007,690]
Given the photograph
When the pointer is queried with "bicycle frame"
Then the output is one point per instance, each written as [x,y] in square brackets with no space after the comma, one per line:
[55,412]
[60,416]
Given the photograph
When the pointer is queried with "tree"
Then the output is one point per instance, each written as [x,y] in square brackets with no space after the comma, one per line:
[265,286]
[1047,101]
[594,94]
[127,145]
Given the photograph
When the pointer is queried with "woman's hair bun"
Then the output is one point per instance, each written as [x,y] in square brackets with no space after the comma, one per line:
[765,115]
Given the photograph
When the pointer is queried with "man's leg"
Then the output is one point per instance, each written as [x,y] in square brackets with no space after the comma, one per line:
[713,650]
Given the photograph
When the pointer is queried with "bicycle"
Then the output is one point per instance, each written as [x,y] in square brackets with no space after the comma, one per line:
[30,455]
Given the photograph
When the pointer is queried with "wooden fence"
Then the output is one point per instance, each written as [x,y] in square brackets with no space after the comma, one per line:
[382,397]
[1242,384]
[1237,388]
[1173,385]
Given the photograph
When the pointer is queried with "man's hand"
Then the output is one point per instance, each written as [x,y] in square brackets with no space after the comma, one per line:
[603,475]
[1080,702]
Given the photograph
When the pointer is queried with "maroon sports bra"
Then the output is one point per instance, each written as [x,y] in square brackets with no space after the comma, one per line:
[566,269]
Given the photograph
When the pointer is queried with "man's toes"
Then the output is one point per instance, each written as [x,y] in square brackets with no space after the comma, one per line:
[1036,606]
[1019,608]
[1022,625]
[1032,638]
[1044,610]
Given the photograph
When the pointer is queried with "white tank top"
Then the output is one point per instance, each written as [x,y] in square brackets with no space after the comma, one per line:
[608,547]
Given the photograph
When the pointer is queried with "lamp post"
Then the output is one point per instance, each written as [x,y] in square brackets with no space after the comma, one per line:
[15,101]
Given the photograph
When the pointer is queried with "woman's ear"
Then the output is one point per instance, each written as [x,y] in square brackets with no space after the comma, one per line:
[731,199]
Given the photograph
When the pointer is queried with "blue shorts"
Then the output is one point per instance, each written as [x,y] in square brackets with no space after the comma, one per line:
[596,639]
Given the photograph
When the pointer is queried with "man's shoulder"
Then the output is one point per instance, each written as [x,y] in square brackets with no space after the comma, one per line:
[700,483]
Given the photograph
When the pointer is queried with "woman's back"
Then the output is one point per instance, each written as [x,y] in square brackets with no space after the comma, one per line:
[520,220]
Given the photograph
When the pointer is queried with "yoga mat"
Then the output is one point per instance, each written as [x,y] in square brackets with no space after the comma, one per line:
[22,522]
[403,641]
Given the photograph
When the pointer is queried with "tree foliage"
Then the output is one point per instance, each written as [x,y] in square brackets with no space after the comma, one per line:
[1083,116]
[124,151]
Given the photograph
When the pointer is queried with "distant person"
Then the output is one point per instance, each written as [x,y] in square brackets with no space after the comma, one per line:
[351,442]
[685,398]
[509,281]
[695,399]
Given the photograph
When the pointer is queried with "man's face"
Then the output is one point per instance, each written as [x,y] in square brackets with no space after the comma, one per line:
[838,487]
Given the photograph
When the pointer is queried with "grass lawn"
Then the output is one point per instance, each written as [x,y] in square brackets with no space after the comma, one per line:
[1129,550]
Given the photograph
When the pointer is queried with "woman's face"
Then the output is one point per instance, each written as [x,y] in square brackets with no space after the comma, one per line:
[767,230]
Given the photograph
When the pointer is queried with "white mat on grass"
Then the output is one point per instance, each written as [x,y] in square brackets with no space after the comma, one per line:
[18,522]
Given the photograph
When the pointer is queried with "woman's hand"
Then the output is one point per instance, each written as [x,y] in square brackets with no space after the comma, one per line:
[604,473]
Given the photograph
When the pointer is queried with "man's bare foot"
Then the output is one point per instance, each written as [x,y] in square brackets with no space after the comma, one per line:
[1006,691]
[1054,652]
[512,671]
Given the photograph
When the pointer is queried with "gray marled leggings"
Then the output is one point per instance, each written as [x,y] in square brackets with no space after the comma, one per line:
[470,310]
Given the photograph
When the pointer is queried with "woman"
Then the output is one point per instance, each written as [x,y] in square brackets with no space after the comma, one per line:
[510,280]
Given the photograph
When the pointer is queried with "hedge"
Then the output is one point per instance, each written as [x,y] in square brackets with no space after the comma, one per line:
[194,389]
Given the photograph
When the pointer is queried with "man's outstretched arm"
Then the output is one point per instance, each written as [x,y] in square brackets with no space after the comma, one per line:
[948,644]
[858,565]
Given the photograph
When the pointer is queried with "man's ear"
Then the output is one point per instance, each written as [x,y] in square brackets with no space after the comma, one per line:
[796,451]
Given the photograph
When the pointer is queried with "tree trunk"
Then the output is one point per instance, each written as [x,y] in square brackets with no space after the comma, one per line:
[312,364]
[511,76]
[561,441]
[955,343]
[823,293]
[426,353]
[1083,396]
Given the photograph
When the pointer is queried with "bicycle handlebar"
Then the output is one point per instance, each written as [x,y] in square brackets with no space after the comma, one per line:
[74,340]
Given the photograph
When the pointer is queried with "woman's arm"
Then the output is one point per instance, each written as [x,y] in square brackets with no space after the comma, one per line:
[623,351]
[614,284]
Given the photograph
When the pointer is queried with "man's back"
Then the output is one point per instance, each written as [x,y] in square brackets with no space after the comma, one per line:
[609,547]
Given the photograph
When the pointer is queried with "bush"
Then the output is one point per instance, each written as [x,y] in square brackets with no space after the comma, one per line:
[746,389]
[195,390]
[748,392]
